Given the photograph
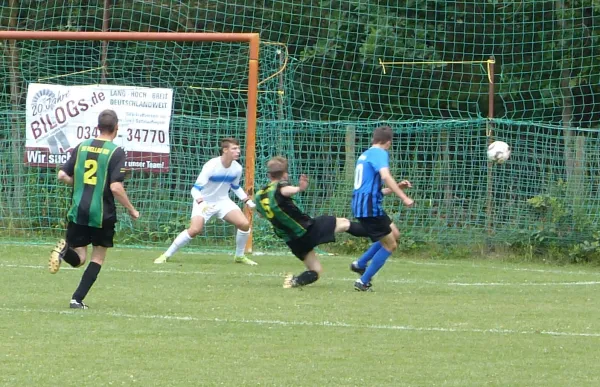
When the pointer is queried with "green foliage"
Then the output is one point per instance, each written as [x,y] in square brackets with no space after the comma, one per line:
[557,221]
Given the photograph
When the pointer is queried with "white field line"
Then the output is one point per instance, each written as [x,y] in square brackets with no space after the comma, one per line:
[503,268]
[396,259]
[327,324]
[275,275]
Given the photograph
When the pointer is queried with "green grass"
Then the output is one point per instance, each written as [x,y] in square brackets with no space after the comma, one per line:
[202,320]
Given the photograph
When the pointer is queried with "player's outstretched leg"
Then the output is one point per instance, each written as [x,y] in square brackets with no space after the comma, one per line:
[181,240]
[196,226]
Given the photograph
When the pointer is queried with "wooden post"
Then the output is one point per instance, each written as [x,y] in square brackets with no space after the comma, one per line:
[350,153]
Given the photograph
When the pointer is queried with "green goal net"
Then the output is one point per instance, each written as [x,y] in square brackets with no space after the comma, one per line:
[448,76]
[179,96]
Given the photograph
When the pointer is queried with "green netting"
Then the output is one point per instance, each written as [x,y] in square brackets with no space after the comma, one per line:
[340,69]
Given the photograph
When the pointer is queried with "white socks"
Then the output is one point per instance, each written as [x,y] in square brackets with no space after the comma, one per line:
[241,237]
[182,239]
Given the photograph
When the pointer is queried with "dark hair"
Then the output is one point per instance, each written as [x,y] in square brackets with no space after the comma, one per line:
[107,121]
[382,134]
[227,142]
[277,167]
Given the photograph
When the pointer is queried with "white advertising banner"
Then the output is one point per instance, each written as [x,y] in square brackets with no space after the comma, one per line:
[60,117]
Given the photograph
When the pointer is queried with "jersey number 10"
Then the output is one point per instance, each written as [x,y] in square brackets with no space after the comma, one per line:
[358,175]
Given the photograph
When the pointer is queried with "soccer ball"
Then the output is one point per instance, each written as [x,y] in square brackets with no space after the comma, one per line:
[498,152]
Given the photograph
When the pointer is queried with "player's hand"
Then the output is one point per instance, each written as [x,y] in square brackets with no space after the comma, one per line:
[303,184]
[408,202]
[405,184]
[134,214]
[199,200]
[250,204]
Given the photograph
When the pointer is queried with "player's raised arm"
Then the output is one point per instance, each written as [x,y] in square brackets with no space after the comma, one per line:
[395,187]
[291,190]
[403,184]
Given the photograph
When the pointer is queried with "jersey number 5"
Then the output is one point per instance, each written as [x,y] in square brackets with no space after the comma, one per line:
[89,176]
[264,203]
[358,175]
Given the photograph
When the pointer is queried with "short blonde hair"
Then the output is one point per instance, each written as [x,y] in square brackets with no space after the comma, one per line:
[277,167]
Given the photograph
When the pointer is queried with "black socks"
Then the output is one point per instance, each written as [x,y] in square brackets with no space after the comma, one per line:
[71,257]
[87,280]
[307,277]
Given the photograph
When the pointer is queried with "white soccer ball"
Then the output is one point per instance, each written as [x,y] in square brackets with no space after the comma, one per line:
[498,152]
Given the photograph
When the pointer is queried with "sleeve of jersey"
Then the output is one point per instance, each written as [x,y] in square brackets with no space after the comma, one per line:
[201,181]
[235,187]
[116,166]
[380,160]
[69,166]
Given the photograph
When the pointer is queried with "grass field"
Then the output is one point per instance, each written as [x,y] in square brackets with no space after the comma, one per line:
[202,320]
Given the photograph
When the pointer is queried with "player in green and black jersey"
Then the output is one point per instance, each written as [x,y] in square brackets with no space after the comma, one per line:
[95,170]
[299,231]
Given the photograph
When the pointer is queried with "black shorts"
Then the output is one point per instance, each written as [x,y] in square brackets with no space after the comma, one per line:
[377,226]
[79,235]
[321,231]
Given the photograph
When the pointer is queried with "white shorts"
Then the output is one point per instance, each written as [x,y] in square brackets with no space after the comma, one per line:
[208,210]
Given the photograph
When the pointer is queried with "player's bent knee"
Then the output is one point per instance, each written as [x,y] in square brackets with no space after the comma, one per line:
[244,227]
[389,242]
[390,245]
[193,231]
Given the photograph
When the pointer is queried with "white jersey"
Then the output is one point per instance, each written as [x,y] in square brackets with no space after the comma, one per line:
[215,180]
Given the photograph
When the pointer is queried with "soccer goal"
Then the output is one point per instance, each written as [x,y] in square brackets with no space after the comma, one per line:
[176,95]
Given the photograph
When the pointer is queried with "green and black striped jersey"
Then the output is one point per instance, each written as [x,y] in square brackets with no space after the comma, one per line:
[288,221]
[94,165]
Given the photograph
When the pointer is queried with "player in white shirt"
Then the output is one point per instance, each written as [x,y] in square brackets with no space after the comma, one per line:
[211,198]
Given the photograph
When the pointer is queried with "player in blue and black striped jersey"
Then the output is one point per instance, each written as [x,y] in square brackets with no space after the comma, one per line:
[372,171]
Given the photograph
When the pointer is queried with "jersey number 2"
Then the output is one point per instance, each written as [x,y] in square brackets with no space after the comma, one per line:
[89,176]
[264,203]
[358,175]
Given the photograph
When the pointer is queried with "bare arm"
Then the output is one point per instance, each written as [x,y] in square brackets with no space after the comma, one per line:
[291,190]
[62,176]
[119,193]
[403,184]
[389,180]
